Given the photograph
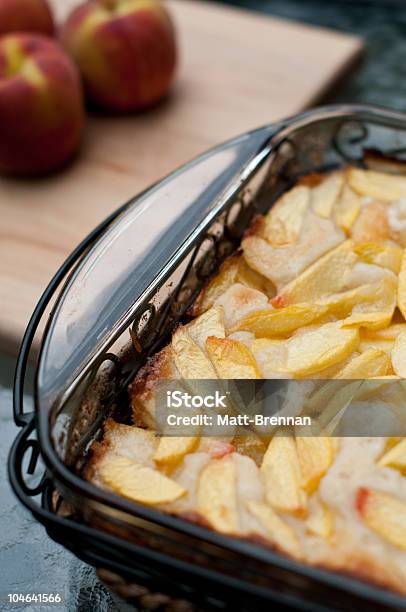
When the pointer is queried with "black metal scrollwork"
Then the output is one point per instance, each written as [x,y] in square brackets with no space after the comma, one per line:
[221,240]
[22,445]
[349,134]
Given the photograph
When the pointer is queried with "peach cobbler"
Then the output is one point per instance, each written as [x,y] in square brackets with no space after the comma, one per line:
[317,291]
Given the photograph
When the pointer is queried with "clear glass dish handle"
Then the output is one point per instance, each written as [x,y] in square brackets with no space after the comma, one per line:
[134,249]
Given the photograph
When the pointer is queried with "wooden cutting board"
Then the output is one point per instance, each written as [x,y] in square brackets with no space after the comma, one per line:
[238,70]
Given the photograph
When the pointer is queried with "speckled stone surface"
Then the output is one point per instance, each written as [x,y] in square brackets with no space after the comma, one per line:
[29,560]
[381,78]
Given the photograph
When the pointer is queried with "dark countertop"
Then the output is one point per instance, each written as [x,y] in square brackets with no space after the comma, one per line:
[30,561]
[381,77]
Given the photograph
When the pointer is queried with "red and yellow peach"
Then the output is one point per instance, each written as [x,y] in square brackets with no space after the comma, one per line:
[125,49]
[26,16]
[41,105]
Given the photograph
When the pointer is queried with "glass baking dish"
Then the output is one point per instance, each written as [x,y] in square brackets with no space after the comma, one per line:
[123,291]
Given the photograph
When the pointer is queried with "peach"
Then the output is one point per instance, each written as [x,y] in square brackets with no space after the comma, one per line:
[41,105]
[125,49]
[26,16]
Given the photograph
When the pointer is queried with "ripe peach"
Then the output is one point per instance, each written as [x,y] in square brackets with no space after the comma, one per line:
[125,49]
[41,105]
[26,16]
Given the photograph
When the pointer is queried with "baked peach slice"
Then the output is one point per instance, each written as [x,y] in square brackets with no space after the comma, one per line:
[320,521]
[189,358]
[252,279]
[283,223]
[215,288]
[348,286]
[171,450]
[375,313]
[395,457]
[277,530]
[280,321]
[306,353]
[384,514]
[347,208]
[316,454]
[137,482]
[325,195]
[370,364]
[283,264]
[238,301]
[289,358]
[372,224]
[381,339]
[233,270]
[326,276]
[231,358]
[384,254]
[282,476]
[217,495]
[129,441]
[398,355]
[210,323]
[402,286]
[380,185]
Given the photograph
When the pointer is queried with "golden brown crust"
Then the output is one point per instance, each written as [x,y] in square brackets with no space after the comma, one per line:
[142,389]
[157,367]
[99,450]
[366,569]
[311,180]
[256,226]
[376,160]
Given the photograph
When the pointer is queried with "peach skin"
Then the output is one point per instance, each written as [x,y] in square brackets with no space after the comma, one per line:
[41,105]
[125,49]
[26,16]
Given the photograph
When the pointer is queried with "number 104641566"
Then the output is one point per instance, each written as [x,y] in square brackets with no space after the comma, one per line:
[32,598]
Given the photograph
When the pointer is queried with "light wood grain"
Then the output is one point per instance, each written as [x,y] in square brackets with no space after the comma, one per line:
[238,70]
